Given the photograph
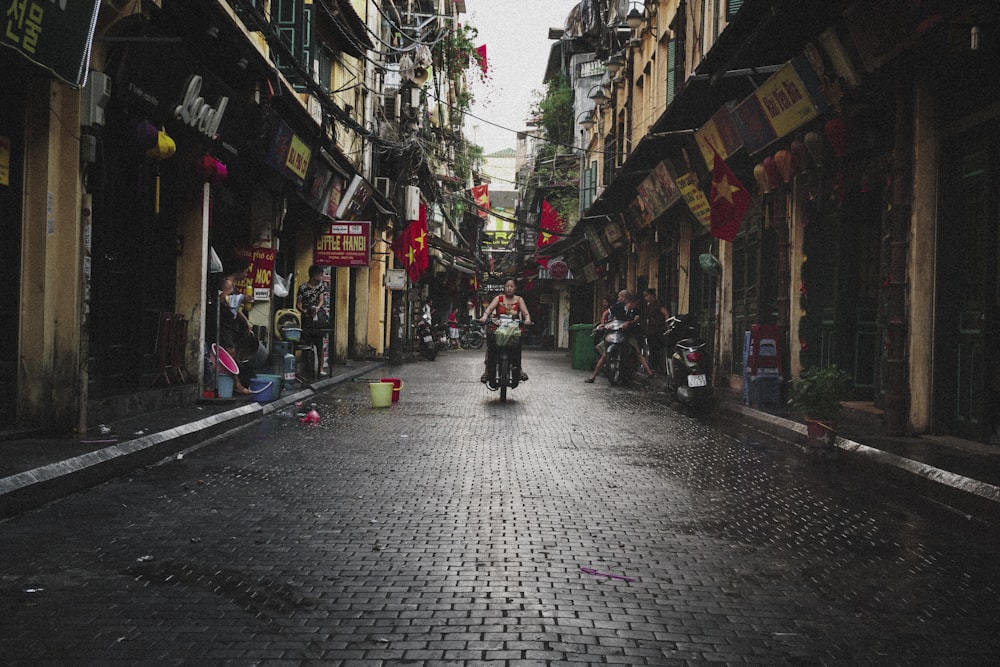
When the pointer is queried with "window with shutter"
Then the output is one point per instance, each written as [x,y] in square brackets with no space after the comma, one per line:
[671,70]
[732,6]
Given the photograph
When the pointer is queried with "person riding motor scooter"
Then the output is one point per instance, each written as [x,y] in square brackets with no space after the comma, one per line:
[511,304]
[623,310]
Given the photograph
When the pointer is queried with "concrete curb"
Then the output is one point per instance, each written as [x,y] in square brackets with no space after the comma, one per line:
[33,488]
[941,484]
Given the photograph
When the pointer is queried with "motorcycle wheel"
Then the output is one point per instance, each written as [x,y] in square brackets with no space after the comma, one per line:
[429,351]
[504,378]
[614,367]
[474,339]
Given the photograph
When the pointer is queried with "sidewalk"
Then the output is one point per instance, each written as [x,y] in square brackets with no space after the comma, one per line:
[35,470]
[962,475]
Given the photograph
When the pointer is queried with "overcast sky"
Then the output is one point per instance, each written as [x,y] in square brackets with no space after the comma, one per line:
[516,34]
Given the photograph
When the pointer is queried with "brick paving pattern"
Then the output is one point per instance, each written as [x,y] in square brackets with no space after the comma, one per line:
[453,529]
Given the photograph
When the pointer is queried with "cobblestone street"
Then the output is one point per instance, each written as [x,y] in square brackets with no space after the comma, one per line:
[576,523]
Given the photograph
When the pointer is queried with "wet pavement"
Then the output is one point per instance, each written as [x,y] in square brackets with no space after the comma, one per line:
[574,524]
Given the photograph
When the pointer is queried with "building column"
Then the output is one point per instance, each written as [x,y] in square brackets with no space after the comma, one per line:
[922,258]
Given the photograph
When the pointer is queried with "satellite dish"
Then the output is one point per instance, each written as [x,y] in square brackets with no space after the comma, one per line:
[709,264]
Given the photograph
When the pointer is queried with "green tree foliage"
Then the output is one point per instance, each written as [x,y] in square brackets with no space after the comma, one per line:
[556,110]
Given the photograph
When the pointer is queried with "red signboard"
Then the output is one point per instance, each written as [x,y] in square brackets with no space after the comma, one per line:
[344,244]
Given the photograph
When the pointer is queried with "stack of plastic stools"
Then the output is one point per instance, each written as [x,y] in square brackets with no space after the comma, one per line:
[763,375]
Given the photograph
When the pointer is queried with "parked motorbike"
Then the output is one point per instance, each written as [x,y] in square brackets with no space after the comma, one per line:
[687,363]
[424,339]
[472,335]
[503,360]
[621,361]
[441,336]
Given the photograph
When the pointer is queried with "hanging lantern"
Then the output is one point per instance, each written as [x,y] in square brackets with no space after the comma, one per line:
[211,170]
[760,175]
[771,170]
[816,146]
[800,156]
[785,163]
[836,133]
[165,147]
[145,135]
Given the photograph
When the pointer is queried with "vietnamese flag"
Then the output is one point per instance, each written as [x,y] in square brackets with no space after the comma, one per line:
[481,195]
[419,240]
[729,201]
[481,52]
[552,225]
[401,249]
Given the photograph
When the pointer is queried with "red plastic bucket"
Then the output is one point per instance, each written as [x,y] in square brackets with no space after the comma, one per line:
[397,386]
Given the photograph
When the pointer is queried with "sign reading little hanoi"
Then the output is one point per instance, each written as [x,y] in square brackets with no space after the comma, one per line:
[344,244]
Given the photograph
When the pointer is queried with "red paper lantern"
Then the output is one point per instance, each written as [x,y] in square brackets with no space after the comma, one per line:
[837,133]
[783,160]
[771,169]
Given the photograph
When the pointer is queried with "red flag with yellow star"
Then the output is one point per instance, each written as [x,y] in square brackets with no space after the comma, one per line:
[729,201]
[481,195]
[419,243]
[550,222]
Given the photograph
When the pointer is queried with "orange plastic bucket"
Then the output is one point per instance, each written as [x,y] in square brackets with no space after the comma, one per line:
[397,387]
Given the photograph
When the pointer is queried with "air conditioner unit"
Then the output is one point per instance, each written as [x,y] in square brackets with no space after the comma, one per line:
[390,105]
[412,202]
[383,185]
[96,95]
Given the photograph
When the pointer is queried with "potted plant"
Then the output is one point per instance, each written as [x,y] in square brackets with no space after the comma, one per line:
[817,394]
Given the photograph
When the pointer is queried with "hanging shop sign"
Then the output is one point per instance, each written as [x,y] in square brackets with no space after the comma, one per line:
[598,248]
[719,135]
[335,194]
[167,86]
[657,193]
[695,198]
[261,273]
[356,199]
[54,35]
[344,244]
[782,104]
[288,154]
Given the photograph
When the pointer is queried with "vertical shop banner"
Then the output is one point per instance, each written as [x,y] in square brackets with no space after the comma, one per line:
[695,198]
[344,244]
[262,273]
[54,34]
[288,154]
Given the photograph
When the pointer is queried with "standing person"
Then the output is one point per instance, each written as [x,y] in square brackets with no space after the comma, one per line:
[233,323]
[453,333]
[653,323]
[623,310]
[428,311]
[508,303]
[310,299]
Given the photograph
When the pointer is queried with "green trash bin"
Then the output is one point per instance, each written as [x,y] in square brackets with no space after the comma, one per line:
[583,346]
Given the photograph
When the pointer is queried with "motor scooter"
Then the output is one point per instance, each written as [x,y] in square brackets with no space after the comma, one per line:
[620,362]
[688,364]
[503,355]
[424,339]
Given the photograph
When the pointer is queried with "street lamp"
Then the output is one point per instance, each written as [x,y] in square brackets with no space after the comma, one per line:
[614,64]
[599,94]
[636,15]
[586,120]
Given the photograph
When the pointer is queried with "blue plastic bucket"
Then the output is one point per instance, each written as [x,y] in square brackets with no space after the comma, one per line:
[265,388]
[225,385]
